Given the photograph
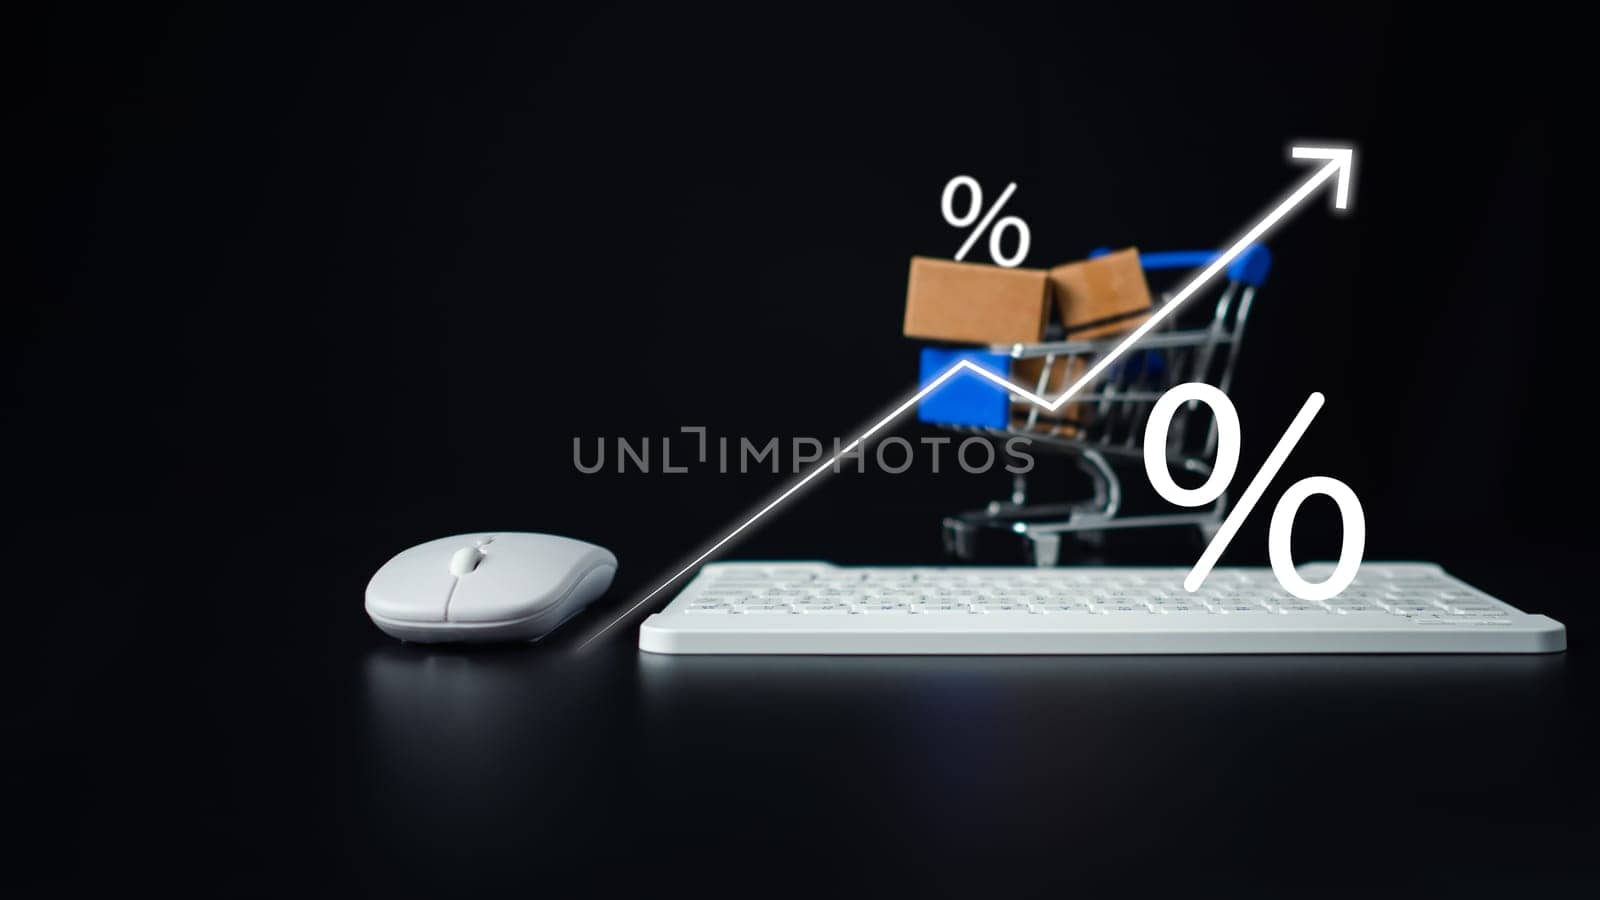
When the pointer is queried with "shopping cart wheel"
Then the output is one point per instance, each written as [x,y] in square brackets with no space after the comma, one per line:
[960,539]
[989,536]
[1046,549]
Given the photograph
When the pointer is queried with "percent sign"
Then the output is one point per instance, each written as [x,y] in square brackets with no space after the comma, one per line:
[1282,525]
[947,204]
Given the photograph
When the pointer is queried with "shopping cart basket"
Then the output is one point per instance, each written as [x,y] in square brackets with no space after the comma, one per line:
[1102,428]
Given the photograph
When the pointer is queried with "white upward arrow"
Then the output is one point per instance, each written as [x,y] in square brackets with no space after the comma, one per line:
[1340,161]
[1343,157]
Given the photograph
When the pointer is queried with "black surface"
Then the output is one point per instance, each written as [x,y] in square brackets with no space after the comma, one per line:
[322,285]
[285,756]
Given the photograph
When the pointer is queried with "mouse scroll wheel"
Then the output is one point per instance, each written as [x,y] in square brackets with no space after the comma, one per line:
[465,560]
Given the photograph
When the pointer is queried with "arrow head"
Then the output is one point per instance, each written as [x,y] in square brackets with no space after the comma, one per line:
[1342,159]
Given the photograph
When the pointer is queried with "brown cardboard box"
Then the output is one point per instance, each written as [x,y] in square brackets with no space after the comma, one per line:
[980,304]
[975,304]
[1064,373]
[1093,290]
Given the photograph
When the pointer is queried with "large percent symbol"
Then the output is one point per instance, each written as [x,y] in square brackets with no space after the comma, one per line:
[1282,525]
[947,205]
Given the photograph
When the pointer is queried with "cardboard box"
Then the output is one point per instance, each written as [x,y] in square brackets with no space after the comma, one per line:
[972,303]
[975,304]
[1064,373]
[1101,296]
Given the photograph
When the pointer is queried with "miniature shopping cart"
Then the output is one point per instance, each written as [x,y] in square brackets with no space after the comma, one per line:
[1102,429]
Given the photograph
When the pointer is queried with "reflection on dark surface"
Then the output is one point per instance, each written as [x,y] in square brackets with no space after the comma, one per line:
[483,762]
[667,672]
[619,764]
[1135,745]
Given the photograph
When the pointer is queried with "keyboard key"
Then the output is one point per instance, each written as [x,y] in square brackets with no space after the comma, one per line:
[1118,592]
[941,608]
[882,609]
[1396,601]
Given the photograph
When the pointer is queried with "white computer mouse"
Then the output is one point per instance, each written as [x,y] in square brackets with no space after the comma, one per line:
[495,586]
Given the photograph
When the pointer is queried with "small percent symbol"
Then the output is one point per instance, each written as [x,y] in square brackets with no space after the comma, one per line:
[1282,525]
[947,203]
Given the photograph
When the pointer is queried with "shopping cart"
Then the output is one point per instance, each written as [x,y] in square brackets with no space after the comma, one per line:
[1102,428]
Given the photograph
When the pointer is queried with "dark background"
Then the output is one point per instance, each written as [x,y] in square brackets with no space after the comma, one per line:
[322,284]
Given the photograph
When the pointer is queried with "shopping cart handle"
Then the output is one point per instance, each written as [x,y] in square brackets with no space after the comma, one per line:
[1250,267]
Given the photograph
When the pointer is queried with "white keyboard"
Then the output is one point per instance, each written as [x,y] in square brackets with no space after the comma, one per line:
[819,608]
